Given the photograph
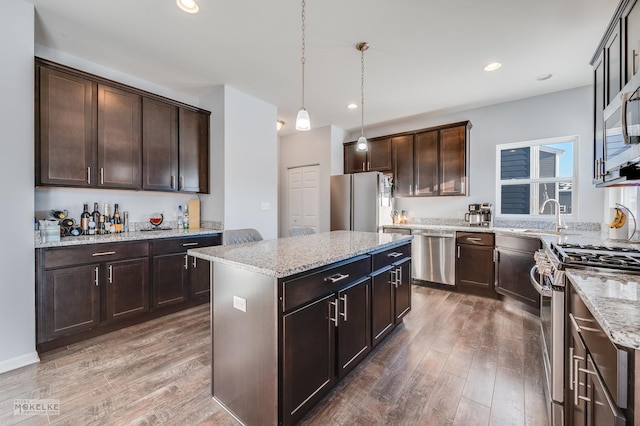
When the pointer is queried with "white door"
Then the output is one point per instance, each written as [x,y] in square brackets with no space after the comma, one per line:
[303,198]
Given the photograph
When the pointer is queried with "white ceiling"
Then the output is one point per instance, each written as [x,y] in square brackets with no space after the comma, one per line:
[426,56]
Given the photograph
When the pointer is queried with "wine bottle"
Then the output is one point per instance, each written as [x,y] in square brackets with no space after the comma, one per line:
[84,220]
[117,221]
[107,219]
[94,220]
[101,228]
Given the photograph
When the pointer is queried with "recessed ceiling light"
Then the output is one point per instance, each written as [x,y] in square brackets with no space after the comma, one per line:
[279,124]
[352,106]
[492,66]
[543,77]
[189,6]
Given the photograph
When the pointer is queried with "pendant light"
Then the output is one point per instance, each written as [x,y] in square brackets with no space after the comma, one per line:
[303,122]
[362,144]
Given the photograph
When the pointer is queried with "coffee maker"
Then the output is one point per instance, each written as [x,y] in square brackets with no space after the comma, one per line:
[479,215]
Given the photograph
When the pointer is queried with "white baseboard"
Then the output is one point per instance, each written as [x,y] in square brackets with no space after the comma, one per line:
[19,361]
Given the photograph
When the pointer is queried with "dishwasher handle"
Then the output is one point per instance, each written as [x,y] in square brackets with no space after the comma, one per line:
[429,234]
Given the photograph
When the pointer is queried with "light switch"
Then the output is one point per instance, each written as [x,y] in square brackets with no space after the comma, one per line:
[266,205]
[240,304]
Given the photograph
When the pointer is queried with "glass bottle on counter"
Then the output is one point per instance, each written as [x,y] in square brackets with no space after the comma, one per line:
[116,221]
[94,220]
[84,220]
[101,225]
[185,218]
[107,218]
[180,217]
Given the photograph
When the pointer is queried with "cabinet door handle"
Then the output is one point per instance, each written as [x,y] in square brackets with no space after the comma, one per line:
[363,169]
[344,307]
[633,60]
[394,254]
[101,175]
[571,358]
[496,256]
[411,189]
[189,244]
[181,182]
[368,165]
[103,253]
[97,276]
[392,276]
[194,263]
[458,252]
[334,317]
[186,261]
[88,175]
[110,274]
[173,181]
[337,277]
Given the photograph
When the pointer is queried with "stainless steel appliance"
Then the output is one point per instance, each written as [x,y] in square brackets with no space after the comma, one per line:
[433,256]
[357,202]
[622,135]
[479,215]
[550,264]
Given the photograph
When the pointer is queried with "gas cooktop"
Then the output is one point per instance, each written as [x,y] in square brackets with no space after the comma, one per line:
[586,255]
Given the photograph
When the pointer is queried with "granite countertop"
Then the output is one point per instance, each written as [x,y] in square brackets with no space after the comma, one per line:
[614,300]
[126,236]
[283,257]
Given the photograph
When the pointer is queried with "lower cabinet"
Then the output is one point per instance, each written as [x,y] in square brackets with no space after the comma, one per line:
[382,305]
[402,287]
[474,263]
[87,290]
[514,261]
[354,325]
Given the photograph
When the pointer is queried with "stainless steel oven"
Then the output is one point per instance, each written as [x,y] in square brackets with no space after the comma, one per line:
[548,280]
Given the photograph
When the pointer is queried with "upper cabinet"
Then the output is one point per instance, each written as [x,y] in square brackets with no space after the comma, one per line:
[403,176]
[91,132]
[376,159]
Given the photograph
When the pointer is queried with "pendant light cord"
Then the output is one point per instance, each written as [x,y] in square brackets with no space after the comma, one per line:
[362,91]
[303,59]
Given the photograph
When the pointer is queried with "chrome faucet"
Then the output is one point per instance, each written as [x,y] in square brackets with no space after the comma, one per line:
[559,224]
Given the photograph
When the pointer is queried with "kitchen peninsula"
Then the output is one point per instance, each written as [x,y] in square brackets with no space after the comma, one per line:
[292,316]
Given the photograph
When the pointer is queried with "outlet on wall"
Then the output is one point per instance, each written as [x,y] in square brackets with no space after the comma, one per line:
[266,205]
[240,304]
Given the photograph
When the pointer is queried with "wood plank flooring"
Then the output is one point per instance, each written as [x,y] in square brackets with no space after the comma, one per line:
[457,360]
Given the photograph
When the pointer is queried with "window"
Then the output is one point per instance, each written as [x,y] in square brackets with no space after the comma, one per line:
[529,173]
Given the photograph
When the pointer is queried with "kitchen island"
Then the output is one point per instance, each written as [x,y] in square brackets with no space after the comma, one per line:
[292,316]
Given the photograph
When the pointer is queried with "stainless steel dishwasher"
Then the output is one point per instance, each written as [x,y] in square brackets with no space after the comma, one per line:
[434,256]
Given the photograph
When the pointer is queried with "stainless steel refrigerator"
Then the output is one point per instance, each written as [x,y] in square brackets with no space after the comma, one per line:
[360,202]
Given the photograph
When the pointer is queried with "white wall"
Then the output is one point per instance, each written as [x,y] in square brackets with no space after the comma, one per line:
[17,288]
[250,163]
[557,114]
[305,149]
[213,203]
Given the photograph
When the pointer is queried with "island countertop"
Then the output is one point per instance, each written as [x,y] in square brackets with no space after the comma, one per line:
[283,257]
[613,298]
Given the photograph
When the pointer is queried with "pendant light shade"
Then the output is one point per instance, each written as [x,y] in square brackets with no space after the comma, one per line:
[303,122]
[362,144]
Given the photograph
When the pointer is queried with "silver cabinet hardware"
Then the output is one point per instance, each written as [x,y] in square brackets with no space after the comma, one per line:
[110,274]
[101,175]
[97,279]
[186,261]
[571,350]
[458,252]
[474,239]
[189,244]
[394,254]
[194,264]
[334,317]
[103,253]
[399,276]
[88,175]
[392,276]
[368,165]
[344,307]
[337,277]
[496,256]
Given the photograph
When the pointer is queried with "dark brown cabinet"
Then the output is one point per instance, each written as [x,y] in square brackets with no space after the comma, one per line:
[453,161]
[577,378]
[402,154]
[194,151]
[474,263]
[514,260]
[65,119]
[354,325]
[93,132]
[598,121]
[119,142]
[631,22]
[402,286]
[613,65]
[69,301]
[426,163]
[127,291]
[382,305]
[178,277]
[159,145]
[376,159]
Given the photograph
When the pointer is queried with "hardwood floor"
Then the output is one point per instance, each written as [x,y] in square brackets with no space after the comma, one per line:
[457,360]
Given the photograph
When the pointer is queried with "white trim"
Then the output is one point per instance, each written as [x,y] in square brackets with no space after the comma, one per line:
[19,361]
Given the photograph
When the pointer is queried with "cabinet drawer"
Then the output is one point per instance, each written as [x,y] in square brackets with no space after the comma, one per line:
[306,288]
[58,257]
[179,245]
[610,361]
[389,256]
[475,238]
[528,244]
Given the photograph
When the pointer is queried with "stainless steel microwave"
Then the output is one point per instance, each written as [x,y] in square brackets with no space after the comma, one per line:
[622,131]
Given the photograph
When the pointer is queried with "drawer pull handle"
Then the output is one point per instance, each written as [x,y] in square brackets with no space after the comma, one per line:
[591,329]
[104,253]
[583,319]
[473,239]
[189,244]
[394,254]
[186,261]
[337,277]
[110,274]
[334,318]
